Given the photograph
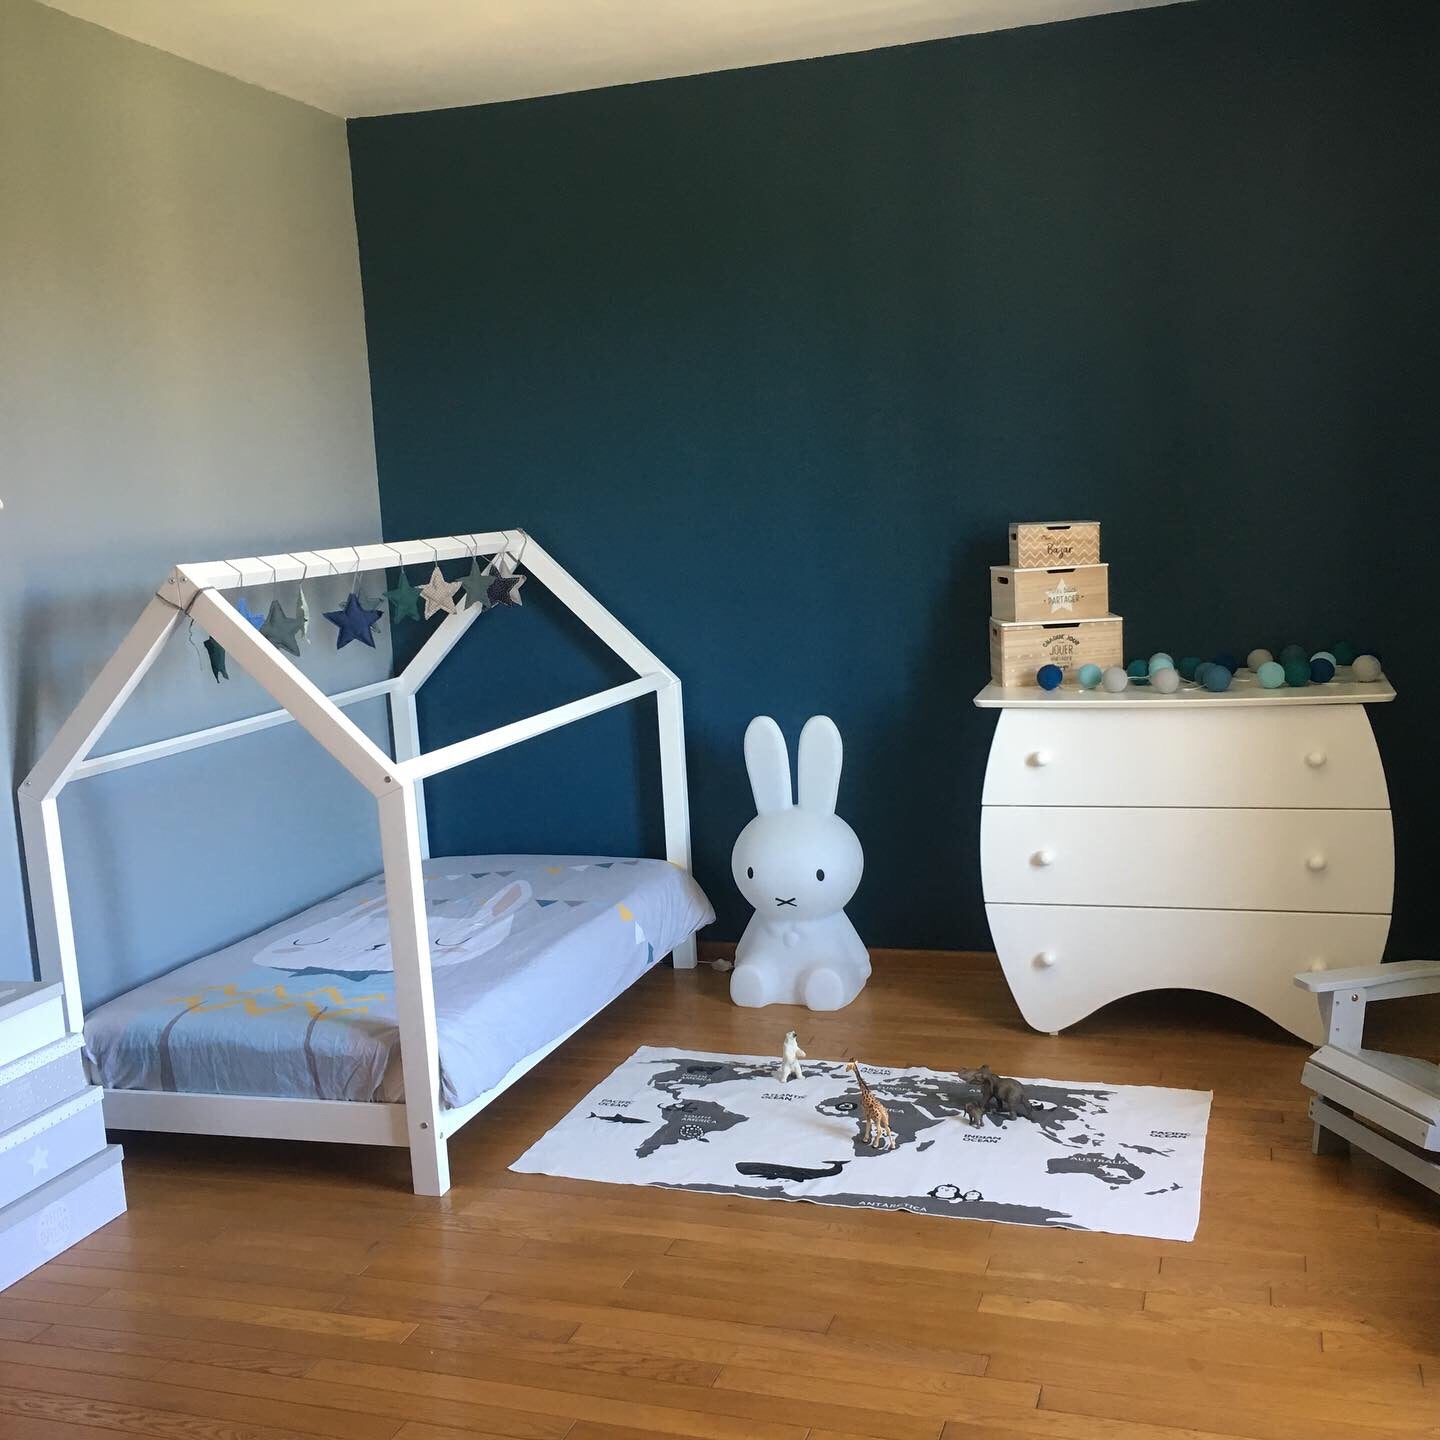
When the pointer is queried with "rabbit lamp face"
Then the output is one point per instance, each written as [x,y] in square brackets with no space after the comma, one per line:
[798,864]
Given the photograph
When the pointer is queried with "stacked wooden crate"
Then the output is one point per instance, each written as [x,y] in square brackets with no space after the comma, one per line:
[59,1180]
[1051,604]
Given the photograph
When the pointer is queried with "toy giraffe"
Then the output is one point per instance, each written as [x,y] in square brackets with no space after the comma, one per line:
[874,1117]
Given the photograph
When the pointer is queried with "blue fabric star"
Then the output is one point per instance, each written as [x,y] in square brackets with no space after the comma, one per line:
[354,622]
[253,616]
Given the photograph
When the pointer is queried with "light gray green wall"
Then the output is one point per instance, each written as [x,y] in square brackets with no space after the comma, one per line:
[183,376]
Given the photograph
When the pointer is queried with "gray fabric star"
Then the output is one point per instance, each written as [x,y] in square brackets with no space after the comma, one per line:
[281,630]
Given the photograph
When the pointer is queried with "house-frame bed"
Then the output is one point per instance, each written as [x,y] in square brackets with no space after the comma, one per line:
[396,781]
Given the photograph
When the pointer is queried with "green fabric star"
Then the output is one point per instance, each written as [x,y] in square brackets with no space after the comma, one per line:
[216,651]
[281,630]
[404,599]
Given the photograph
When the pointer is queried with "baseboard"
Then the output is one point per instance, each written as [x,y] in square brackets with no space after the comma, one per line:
[982,960]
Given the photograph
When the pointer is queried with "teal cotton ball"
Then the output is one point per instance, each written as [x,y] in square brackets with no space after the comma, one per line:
[1048,677]
[1217,678]
[1297,672]
[1139,671]
[1292,652]
[1271,674]
[1324,655]
[1322,671]
[1344,653]
[1367,668]
[1188,666]
[1199,676]
[1114,680]
[1166,680]
[1256,658]
[1089,676]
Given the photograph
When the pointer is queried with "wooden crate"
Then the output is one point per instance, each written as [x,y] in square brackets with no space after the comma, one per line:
[1071,592]
[1035,544]
[1019,649]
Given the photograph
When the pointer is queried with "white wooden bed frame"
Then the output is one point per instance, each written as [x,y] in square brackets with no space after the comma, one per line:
[397,783]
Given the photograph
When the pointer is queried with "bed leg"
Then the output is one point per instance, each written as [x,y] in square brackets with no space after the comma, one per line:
[683,956]
[429,1160]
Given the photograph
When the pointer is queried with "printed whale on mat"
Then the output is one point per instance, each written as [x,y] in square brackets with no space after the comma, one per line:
[764,1170]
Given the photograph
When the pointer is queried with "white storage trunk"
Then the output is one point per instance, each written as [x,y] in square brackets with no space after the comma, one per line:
[56,1140]
[57,1215]
[40,1081]
[32,1016]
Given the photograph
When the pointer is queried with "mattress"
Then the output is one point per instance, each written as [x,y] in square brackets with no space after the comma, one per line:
[523,948]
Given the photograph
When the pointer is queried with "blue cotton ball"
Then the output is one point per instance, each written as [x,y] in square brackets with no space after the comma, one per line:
[1167,680]
[1114,680]
[1200,669]
[1089,676]
[1324,655]
[1217,678]
[1271,674]
[1322,670]
[1160,661]
[1226,659]
[1188,666]
[1048,677]
[1367,668]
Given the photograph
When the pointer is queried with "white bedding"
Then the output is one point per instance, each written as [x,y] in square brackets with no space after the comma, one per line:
[523,948]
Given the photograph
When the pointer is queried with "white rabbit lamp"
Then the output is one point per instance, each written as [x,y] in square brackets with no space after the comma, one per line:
[798,865]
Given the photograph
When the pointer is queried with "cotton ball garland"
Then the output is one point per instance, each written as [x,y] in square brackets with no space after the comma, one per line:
[1321,670]
[1324,655]
[1089,676]
[1367,668]
[1048,677]
[1166,681]
[1344,653]
[1297,672]
[1256,658]
[1217,678]
[1270,674]
[1188,666]
[1114,680]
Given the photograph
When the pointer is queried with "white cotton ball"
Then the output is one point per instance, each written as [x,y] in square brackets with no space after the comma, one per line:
[1114,680]
[1166,681]
[1256,658]
[1366,667]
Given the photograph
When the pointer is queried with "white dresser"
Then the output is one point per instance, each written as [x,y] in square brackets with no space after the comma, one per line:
[1142,841]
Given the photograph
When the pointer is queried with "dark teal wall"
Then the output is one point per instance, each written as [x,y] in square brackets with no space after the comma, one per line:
[770,358]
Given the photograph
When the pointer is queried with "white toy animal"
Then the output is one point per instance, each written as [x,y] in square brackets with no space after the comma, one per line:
[798,865]
[790,1057]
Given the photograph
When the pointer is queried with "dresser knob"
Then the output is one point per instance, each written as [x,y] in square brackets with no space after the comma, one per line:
[1317,965]
[1036,758]
[1315,759]
[1045,959]
[1042,858]
[1316,863]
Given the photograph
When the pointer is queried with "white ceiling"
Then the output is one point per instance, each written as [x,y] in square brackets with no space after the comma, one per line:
[377,57]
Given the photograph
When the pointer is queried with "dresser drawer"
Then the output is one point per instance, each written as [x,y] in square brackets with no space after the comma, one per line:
[1200,859]
[1276,757]
[1063,962]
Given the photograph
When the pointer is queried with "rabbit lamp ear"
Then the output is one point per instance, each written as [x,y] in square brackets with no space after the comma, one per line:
[768,762]
[821,755]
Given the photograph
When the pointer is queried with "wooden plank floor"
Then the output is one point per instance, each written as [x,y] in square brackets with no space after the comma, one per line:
[263,1292]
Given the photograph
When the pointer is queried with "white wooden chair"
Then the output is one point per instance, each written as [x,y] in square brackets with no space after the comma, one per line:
[1398,1095]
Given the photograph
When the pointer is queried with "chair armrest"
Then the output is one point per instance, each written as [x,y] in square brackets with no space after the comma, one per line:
[1376,982]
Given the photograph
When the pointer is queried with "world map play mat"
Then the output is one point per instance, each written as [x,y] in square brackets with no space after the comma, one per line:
[1127,1159]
